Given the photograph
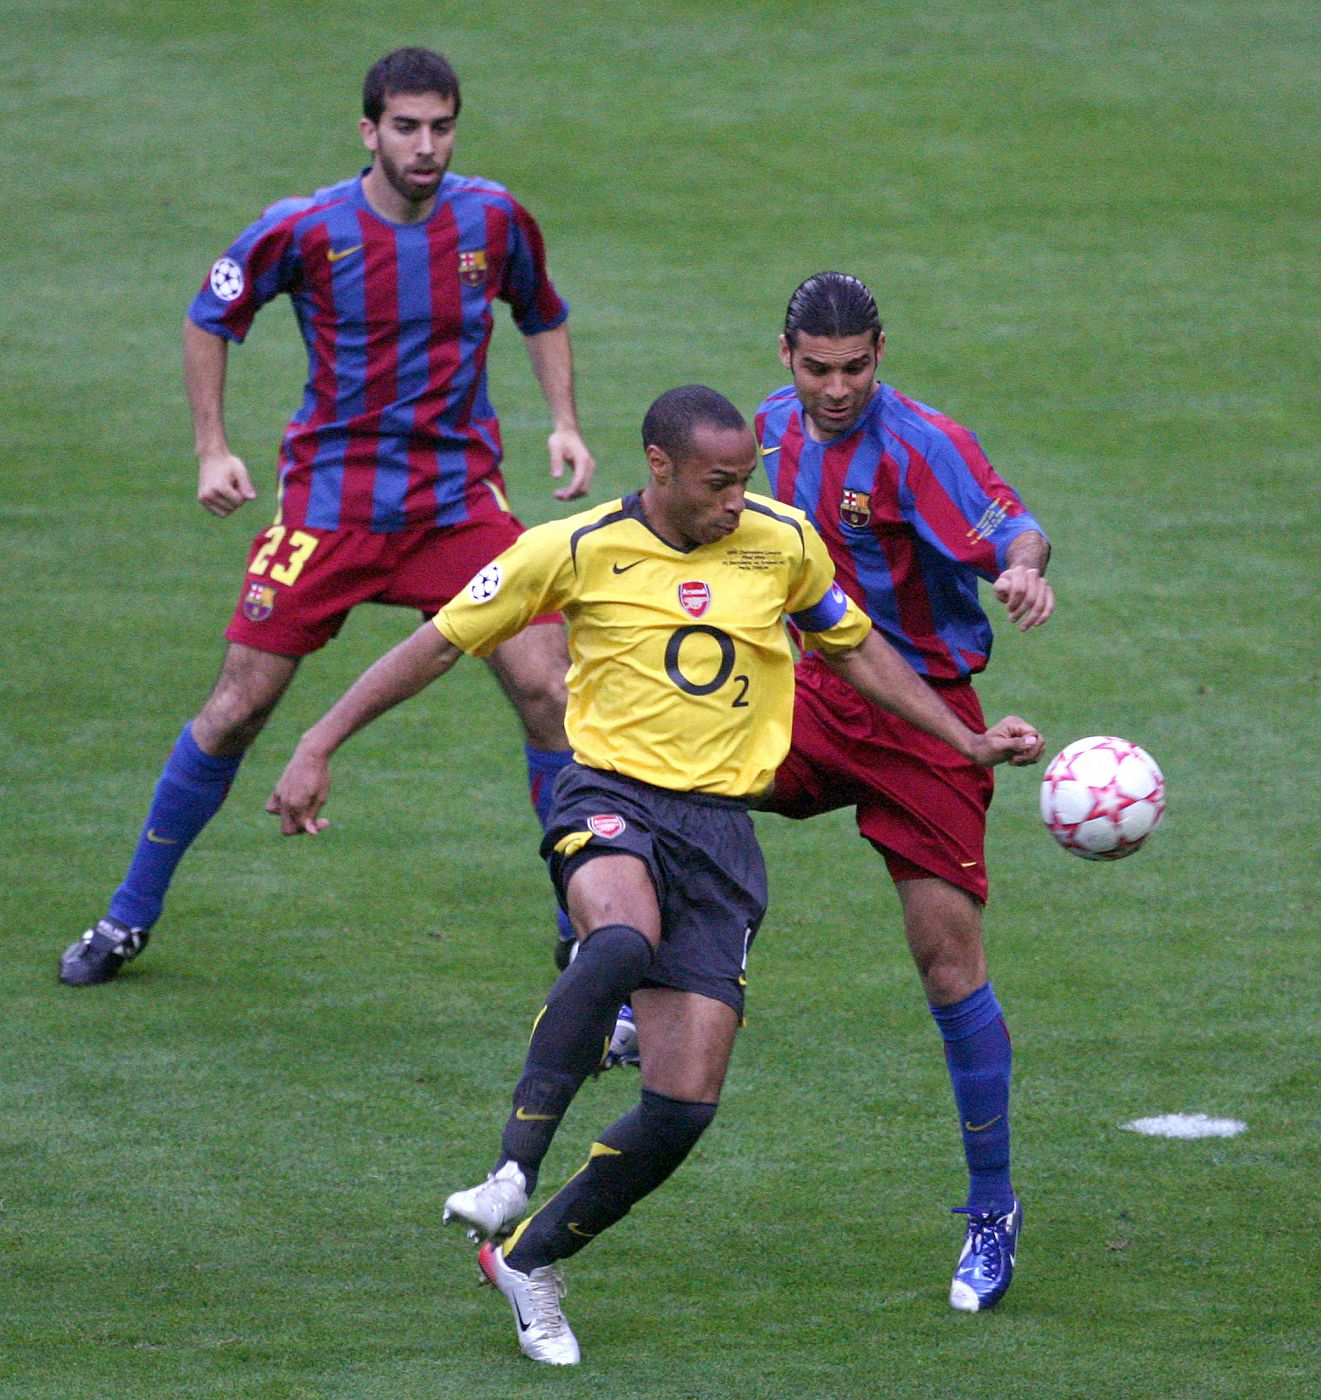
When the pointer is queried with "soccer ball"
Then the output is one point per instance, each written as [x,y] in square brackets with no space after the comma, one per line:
[1102,797]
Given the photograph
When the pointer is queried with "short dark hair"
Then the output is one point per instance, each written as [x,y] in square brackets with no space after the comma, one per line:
[408,70]
[832,304]
[672,420]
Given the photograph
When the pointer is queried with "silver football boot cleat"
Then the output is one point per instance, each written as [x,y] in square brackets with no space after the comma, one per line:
[490,1210]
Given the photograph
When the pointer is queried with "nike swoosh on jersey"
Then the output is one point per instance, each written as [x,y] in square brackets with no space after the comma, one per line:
[982,1127]
[615,568]
[335,254]
[524,1116]
[766,451]
[160,840]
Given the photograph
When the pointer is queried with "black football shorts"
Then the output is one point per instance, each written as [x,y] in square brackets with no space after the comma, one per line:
[704,860]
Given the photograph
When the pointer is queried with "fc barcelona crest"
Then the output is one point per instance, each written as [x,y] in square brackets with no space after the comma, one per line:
[855,508]
[695,597]
[258,602]
[472,268]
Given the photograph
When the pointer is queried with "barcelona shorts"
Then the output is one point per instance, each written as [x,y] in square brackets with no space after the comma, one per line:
[301,583]
[916,799]
[705,864]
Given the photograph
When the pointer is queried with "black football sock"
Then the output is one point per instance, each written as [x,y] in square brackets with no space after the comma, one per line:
[633,1156]
[569,1038]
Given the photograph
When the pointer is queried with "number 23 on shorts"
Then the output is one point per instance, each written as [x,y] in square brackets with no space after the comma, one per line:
[301,545]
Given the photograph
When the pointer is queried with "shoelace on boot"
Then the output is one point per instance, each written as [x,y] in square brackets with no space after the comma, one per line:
[985,1238]
[545,1292]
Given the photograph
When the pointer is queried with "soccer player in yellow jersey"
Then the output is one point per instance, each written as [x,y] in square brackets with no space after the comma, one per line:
[681,697]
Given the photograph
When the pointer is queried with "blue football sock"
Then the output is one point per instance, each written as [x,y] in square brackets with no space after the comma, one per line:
[980,1060]
[543,767]
[191,788]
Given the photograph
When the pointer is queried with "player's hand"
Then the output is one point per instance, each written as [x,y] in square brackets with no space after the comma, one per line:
[300,794]
[1027,595]
[1011,740]
[567,449]
[223,484]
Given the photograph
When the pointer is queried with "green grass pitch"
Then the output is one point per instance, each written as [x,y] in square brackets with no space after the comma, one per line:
[1088,227]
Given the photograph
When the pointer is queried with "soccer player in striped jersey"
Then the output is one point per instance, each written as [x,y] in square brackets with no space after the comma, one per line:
[680,704]
[390,488]
[913,516]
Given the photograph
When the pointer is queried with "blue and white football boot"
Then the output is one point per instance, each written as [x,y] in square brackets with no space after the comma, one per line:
[623,1048]
[99,954]
[986,1266]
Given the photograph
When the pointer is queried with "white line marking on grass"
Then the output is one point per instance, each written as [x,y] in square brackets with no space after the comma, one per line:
[1186,1125]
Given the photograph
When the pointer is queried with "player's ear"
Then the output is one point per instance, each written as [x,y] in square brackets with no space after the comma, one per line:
[660,463]
[367,130]
[880,347]
[786,355]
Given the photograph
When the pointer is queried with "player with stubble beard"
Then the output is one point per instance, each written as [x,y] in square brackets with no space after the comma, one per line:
[913,516]
[389,485]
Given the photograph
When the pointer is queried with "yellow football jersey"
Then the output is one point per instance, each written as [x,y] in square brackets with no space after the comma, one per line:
[682,671]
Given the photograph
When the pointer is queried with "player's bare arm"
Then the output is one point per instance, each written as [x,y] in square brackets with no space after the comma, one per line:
[305,783]
[223,484]
[551,353]
[875,669]
[1022,586]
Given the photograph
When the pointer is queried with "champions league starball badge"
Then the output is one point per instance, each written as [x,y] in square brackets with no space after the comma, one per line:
[486,584]
[227,279]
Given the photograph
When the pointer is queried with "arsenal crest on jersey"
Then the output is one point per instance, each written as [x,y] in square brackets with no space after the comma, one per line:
[855,508]
[472,268]
[695,597]
[258,602]
[608,825]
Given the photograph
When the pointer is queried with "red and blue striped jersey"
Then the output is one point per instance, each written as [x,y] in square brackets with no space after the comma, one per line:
[911,512]
[395,428]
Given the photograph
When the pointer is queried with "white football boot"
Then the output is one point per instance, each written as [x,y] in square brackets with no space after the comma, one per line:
[491,1209]
[544,1333]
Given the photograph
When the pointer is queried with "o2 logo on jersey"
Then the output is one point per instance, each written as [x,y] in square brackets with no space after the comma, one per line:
[695,597]
[227,279]
[486,584]
[607,825]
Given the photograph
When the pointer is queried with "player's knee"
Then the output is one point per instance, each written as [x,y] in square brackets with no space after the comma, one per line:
[531,672]
[230,721]
[949,954]
[612,961]
[540,698]
[949,976]
[674,1125]
[244,697]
